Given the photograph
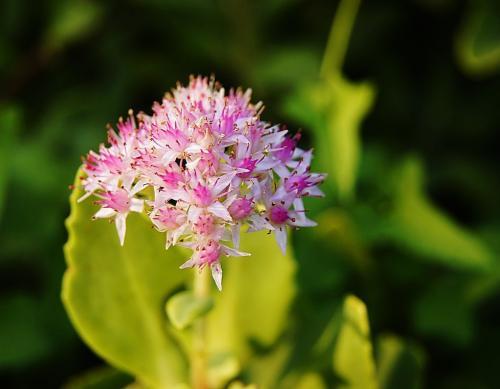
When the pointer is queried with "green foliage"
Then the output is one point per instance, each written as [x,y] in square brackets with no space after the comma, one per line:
[184,308]
[478,42]
[420,226]
[22,338]
[247,313]
[353,354]
[100,378]
[424,259]
[134,335]
[9,124]
[399,363]
[334,109]
[114,296]
[73,20]
[444,311]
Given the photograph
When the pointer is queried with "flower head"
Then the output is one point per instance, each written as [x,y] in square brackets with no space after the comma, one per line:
[202,166]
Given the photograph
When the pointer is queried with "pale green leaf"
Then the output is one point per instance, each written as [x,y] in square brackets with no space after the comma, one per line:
[184,307]
[240,385]
[266,370]
[334,109]
[309,380]
[478,42]
[399,363]
[115,295]
[420,226]
[353,354]
[222,368]
[255,303]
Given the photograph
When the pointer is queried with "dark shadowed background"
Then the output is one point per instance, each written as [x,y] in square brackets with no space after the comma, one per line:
[67,68]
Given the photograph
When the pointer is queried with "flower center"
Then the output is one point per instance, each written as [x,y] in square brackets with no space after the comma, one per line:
[246,163]
[119,200]
[202,196]
[278,214]
[240,208]
[209,253]
[205,225]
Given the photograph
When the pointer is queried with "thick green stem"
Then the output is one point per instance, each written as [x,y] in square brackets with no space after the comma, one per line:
[201,288]
[338,40]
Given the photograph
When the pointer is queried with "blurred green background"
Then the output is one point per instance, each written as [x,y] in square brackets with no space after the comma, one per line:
[412,225]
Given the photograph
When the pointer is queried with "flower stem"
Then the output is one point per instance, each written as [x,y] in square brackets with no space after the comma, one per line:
[201,288]
[338,39]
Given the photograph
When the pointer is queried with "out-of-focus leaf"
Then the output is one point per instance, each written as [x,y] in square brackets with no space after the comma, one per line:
[184,307]
[239,385]
[23,339]
[311,381]
[73,21]
[115,295]
[308,380]
[334,109]
[300,64]
[267,370]
[256,300]
[478,42]
[399,364]
[444,312]
[9,126]
[100,378]
[222,368]
[353,354]
[420,226]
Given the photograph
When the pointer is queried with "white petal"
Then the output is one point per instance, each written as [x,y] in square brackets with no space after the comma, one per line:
[189,263]
[86,195]
[127,181]
[177,233]
[136,205]
[281,170]
[235,232]
[281,235]
[140,185]
[193,148]
[274,137]
[168,240]
[169,156]
[193,214]
[298,205]
[192,164]
[259,223]
[266,164]
[314,191]
[121,226]
[222,182]
[219,210]
[104,213]
[217,274]
[233,253]
[301,220]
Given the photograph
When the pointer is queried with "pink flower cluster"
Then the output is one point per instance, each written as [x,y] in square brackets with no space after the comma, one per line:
[202,166]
